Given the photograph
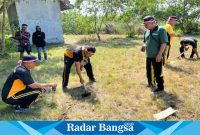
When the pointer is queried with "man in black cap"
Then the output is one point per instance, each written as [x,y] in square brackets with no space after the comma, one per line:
[189,41]
[38,39]
[20,89]
[23,37]
[155,40]
[80,55]
[170,34]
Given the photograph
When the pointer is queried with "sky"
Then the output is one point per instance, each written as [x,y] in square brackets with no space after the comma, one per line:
[72,1]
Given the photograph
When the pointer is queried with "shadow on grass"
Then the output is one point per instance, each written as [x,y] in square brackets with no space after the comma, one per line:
[50,68]
[112,42]
[178,69]
[76,94]
[7,112]
[169,99]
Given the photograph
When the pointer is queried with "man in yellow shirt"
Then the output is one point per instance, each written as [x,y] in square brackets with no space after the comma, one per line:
[170,33]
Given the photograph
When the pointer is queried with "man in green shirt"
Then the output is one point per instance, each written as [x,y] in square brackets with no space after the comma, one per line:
[155,40]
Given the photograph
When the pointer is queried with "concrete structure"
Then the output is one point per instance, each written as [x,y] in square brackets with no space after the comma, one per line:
[39,12]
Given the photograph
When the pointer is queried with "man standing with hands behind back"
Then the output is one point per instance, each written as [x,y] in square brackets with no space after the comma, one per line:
[155,40]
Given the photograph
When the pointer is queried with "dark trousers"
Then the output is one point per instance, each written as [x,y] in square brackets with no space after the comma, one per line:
[24,98]
[154,72]
[166,54]
[182,51]
[67,67]
[22,48]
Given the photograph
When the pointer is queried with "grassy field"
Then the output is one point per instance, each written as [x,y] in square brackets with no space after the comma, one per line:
[120,92]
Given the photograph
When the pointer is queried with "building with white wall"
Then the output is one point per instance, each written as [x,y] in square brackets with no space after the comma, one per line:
[39,12]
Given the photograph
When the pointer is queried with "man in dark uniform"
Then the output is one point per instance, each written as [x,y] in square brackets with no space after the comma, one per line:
[155,40]
[38,39]
[80,55]
[20,89]
[189,41]
[23,37]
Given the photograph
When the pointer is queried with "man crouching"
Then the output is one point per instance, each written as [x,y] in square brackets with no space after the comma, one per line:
[20,89]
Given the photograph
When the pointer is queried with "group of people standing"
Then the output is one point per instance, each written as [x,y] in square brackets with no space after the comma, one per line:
[21,90]
[157,43]
[38,39]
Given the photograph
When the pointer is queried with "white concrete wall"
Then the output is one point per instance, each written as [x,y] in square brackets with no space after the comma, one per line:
[45,14]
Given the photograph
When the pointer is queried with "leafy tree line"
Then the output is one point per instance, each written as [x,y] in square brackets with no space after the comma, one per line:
[118,16]
[93,16]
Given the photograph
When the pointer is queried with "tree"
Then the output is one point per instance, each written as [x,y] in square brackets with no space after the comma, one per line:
[187,12]
[4,4]
[99,11]
[146,7]
[129,18]
[3,27]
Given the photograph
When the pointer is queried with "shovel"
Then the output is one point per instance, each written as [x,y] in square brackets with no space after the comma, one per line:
[182,53]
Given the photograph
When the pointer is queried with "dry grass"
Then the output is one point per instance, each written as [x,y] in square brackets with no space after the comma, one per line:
[120,93]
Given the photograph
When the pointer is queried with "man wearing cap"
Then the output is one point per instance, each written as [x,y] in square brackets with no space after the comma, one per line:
[23,37]
[189,41]
[80,55]
[20,89]
[170,34]
[155,40]
[38,39]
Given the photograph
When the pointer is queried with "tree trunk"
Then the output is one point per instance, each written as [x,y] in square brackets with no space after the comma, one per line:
[96,30]
[3,28]
[184,16]
[98,36]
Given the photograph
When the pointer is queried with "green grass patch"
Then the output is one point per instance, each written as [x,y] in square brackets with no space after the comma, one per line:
[120,92]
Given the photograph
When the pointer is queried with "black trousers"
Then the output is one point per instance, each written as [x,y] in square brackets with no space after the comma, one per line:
[166,54]
[182,51]
[67,67]
[24,98]
[154,72]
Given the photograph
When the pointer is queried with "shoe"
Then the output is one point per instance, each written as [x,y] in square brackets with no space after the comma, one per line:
[65,88]
[158,90]
[92,80]
[150,86]
[18,109]
[25,108]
